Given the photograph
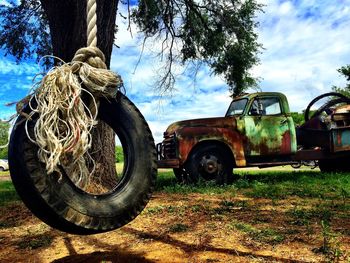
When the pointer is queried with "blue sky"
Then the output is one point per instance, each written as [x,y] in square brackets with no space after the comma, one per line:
[304,41]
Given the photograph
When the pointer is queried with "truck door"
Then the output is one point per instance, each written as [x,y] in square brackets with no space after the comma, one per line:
[269,130]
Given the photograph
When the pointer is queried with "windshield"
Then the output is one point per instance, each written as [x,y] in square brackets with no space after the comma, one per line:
[237,107]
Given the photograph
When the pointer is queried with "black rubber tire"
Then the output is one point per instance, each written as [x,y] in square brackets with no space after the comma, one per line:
[334,165]
[179,174]
[62,205]
[182,176]
[2,169]
[209,162]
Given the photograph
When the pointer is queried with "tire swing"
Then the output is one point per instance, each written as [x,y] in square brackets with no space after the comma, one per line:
[55,192]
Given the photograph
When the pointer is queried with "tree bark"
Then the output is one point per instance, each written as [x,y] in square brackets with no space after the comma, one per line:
[67,22]
[68,29]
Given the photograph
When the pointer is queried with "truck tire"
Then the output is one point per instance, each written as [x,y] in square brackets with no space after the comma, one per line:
[209,162]
[2,169]
[61,204]
[334,165]
[180,174]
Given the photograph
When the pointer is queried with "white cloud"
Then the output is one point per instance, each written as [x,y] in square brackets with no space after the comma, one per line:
[305,42]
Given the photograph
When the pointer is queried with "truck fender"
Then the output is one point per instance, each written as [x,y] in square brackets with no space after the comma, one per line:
[232,141]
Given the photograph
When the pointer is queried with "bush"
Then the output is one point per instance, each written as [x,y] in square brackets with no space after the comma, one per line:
[119,154]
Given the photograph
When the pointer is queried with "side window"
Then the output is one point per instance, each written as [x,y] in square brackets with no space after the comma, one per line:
[265,106]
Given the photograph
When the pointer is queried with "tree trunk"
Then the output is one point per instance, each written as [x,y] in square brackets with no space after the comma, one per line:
[67,22]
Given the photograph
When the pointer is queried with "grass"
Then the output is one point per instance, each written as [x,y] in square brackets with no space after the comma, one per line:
[270,184]
[255,184]
[35,241]
[167,183]
[178,228]
[7,193]
[4,173]
[266,235]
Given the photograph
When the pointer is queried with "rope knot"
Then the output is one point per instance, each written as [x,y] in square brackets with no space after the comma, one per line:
[89,64]
[92,56]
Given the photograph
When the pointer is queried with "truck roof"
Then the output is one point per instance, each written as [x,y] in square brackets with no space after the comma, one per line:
[252,95]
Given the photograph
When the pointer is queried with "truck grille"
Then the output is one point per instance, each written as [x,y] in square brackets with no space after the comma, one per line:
[167,149]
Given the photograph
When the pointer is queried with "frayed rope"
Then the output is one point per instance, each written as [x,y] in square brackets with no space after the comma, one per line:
[62,130]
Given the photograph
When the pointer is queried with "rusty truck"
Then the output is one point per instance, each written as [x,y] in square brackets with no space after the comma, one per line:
[258,131]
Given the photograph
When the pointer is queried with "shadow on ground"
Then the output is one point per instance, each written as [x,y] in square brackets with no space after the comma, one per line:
[113,254]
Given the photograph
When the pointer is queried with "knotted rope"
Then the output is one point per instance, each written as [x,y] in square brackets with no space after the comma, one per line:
[62,130]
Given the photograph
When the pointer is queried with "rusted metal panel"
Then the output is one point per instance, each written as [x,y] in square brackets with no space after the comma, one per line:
[340,139]
[310,154]
[268,135]
[168,163]
[189,136]
[189,133]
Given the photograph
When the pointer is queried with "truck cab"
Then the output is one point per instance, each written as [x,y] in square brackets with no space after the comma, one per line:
[257,128]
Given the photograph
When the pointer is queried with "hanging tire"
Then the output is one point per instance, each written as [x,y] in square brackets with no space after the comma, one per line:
[210,162]
[61,204]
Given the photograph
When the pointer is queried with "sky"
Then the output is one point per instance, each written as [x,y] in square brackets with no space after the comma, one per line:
[305,42]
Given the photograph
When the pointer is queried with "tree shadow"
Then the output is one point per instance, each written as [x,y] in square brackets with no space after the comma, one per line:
[190,248]
[103,256]
[113,254]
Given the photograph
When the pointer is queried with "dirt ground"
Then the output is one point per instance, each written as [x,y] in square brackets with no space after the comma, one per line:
[185,228]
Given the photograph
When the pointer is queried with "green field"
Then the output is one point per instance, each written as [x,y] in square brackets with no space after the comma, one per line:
[277,184]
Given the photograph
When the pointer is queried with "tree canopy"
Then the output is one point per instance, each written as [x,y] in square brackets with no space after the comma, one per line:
[344,71]
[220,34]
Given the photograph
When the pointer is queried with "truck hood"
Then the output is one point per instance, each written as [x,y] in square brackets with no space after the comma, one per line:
[220,122]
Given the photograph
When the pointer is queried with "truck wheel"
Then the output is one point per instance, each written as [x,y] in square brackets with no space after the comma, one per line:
[209,162]
[334,165]
[62,204]
[180,174]
[2,169]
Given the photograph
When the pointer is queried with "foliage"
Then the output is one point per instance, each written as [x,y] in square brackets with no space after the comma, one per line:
[298,118]
[119,154]
[345,71]
[4,132]
[220,34]
[25,30]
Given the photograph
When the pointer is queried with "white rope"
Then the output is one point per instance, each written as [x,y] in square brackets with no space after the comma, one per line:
[91,23]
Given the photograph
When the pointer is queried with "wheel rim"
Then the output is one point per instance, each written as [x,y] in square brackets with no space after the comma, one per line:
[210,166]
